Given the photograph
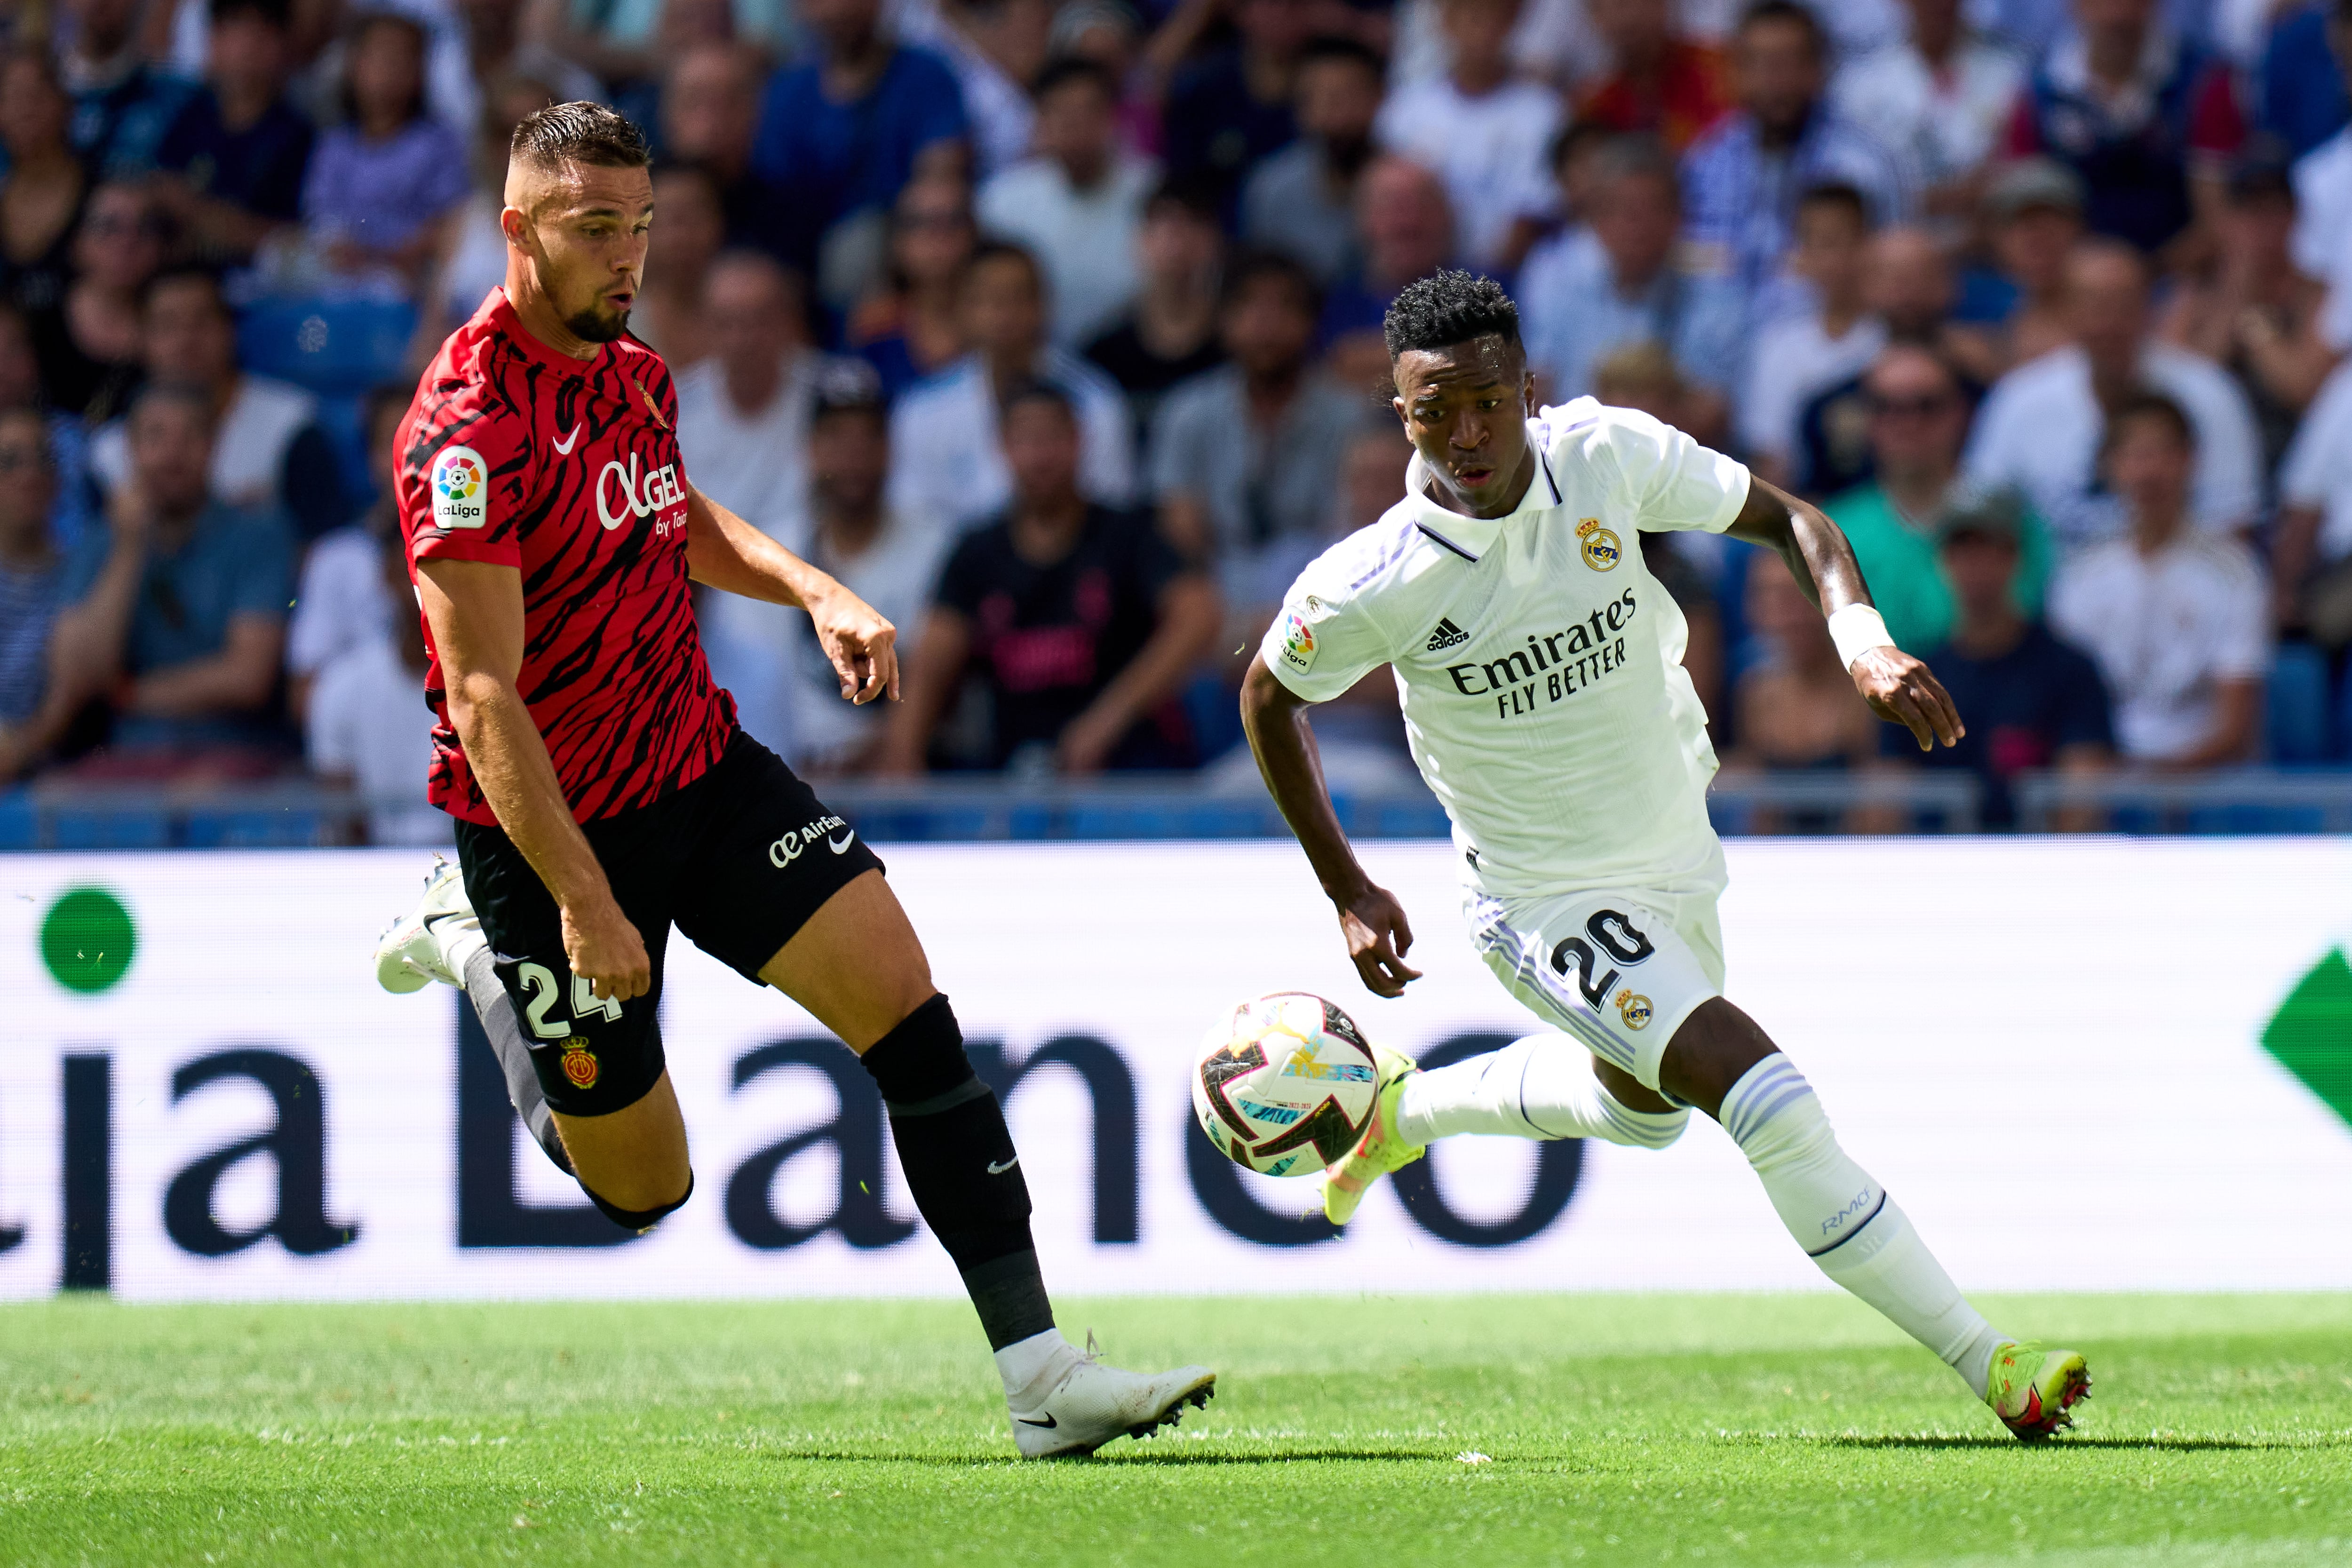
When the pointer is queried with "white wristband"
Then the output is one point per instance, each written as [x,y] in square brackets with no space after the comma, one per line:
[1856,629]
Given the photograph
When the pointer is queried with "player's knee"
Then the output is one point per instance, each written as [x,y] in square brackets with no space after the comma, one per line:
[921,1058]
[641,1219]
[1775,1117]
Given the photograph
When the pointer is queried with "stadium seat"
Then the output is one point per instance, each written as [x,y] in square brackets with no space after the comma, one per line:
[2297,704]
[20,824]
[335,348]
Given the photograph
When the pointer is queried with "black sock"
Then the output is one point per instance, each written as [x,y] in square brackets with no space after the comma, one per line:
[963,1169]
[495,1008]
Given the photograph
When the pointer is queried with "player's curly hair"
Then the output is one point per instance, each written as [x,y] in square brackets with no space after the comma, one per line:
[580,132]
[1447,308]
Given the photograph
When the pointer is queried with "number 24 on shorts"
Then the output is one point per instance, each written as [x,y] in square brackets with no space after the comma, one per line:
[543,990]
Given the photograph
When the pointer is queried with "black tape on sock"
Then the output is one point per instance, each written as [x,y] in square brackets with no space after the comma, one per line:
[639,1220]
[921,1059]
[962,1169]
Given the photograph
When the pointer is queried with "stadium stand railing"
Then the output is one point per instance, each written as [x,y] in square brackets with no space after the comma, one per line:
[295,813]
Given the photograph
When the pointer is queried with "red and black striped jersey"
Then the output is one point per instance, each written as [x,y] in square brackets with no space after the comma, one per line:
[569,470]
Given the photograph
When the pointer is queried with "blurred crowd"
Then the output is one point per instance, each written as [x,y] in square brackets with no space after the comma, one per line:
[1052,326]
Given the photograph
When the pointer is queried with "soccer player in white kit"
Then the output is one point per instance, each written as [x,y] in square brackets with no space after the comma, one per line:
[1539,664]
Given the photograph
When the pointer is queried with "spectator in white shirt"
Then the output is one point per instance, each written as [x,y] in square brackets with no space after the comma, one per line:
[946,459]
[890,561]
[341,601]
[1579,302]
[2311,553]
[785,693]
[270,452]
[1075,205]
[1799,356]
[1942,97]
[2177,620]
[1484,131]
[2040,427]
[2323,191]
[368,728]
[743,412]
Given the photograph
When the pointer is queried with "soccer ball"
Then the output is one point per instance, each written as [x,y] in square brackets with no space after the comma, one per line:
[1284,1085]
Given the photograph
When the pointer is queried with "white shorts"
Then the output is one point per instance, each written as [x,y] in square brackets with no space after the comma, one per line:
[1617,968]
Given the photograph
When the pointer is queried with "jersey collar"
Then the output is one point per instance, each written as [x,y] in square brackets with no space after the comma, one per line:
[1472,537]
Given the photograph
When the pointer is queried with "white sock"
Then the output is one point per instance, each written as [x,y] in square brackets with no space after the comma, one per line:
[458,937]
[1031,1367]
[1844,1220]
[1542,1087]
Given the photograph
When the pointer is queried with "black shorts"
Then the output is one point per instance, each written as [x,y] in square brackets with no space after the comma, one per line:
[739,859]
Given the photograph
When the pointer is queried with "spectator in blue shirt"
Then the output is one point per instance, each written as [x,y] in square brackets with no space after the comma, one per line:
[178,609]
[1231,107]
[1579,302]
[383,185]
[122,105]
[841,134]
[1741,180]
[2032,701]
[239,149]
[2303,99]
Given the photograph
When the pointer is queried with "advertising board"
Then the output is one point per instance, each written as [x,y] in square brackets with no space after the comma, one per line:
[2145,1045]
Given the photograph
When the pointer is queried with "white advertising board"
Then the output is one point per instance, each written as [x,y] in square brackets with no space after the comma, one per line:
[2069,1034]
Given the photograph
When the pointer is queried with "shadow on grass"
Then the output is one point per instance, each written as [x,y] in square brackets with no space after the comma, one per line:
[1191,1456]
[2168,1444]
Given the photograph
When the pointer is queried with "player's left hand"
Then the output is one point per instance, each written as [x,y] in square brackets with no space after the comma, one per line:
[862,646]
[1901,691]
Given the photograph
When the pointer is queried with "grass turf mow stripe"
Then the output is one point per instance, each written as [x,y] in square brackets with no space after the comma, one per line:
[1614,1428]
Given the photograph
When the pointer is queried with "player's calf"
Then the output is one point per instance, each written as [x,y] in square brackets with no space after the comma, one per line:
[1542,1087]
[961,1168]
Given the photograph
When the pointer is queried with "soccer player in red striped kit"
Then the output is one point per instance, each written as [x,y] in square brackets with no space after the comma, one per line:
[604,790]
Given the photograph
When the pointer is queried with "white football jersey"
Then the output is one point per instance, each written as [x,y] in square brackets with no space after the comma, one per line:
[1538,662]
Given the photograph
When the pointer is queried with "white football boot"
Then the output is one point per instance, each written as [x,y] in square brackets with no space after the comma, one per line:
[410,954]
[1086,1404]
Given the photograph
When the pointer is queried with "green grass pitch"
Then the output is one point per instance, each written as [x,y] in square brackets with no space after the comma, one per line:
[1724,1429]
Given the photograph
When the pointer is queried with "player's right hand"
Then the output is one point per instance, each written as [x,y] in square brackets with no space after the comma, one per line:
[1379,936]
[604,950]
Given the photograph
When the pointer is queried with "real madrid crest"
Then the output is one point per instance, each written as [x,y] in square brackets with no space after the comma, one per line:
[1634,1008]
[1601,549]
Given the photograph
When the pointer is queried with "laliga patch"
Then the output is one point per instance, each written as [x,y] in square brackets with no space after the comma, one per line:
[1297,642]
[461,489]
[1603,550]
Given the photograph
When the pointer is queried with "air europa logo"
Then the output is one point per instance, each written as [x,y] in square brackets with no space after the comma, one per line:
[659,488]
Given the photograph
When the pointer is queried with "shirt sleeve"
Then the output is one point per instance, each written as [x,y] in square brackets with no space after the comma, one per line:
[1674,484]
[328,739]
[1326,637]
[2310,472]
[2242,648]
[462,489]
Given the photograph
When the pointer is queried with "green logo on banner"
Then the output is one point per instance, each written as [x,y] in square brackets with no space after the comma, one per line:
[87,940]
[2312,1033]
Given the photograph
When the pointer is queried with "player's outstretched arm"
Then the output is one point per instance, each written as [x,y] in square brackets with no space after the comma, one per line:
[475,608]
[723,551]
[1274,718]
[1898,688]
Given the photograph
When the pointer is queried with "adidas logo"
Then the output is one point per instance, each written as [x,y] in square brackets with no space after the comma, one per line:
[1447,635]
